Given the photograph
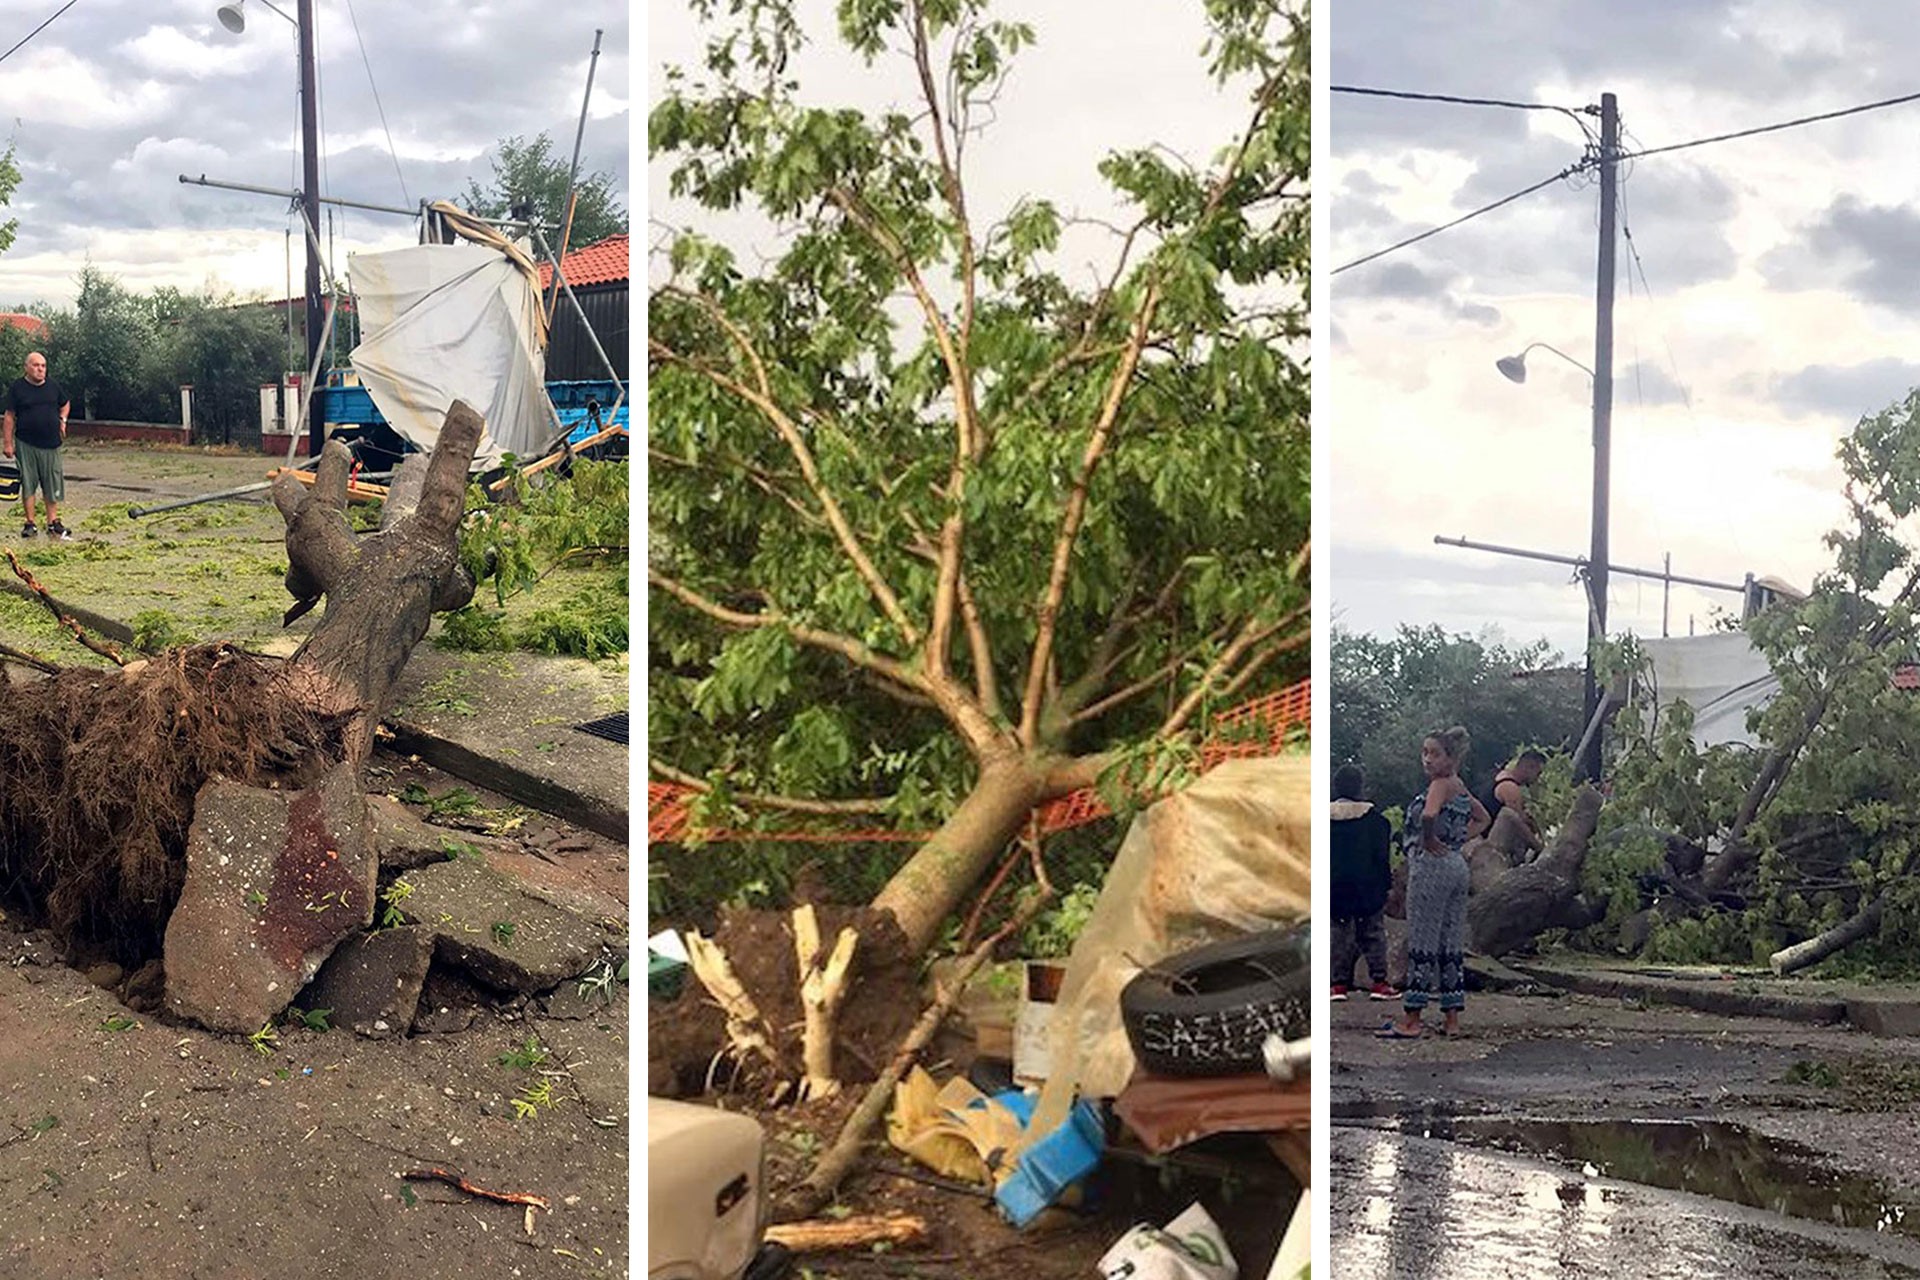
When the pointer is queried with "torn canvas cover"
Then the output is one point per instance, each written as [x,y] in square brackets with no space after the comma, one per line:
[446,322]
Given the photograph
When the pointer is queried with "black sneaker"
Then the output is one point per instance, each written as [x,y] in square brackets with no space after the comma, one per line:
[58,531]
[32,530]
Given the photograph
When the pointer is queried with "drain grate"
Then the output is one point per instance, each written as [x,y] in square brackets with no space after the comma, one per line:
[613,728]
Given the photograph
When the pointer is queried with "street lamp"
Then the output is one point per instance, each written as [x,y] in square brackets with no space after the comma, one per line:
[1514,369]
[234,18]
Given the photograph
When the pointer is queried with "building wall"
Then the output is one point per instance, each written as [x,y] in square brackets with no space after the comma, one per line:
[570,354]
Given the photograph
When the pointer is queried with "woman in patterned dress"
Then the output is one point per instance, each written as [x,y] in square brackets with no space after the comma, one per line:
[1439,821]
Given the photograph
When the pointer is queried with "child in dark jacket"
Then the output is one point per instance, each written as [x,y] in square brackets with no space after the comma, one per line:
[1362,877]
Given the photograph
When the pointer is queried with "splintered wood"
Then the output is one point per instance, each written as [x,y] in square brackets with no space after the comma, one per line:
[823,986]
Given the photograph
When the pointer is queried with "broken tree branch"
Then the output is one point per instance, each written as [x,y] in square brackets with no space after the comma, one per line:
[763,800]
[823,986]
[850,649]
[1075,515]
[838,1161]
[1803,955]
[849,1233]
[789,432]
[453,1179]
[78,632]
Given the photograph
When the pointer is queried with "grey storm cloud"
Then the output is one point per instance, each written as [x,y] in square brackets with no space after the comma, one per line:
[1863,248]
[150,91]
[1405,280]
[1503,49]
[1849,392]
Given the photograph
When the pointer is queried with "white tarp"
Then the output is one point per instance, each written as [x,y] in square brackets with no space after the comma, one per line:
[1229,855]
[446,322]
[1721,676]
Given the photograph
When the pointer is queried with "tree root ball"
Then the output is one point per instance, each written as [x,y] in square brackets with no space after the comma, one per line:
[98,774]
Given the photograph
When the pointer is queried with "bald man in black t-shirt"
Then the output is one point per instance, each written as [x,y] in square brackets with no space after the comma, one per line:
[36,423]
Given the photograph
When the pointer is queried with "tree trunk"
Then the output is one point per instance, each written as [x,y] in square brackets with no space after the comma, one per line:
[382,589]
[936,879]
[99,774]
[1802,955]
[1539,895]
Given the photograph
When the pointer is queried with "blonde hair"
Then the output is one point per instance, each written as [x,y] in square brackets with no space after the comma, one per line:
[1455,742]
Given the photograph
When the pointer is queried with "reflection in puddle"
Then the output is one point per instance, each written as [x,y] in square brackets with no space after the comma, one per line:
[1710,1158]
[1443,1210]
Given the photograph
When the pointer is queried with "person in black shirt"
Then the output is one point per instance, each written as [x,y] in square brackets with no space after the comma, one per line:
[36,424]
[1362,875]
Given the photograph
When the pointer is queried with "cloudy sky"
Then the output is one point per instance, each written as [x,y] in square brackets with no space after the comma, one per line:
[1060,112]
[117,98]
[1774,301]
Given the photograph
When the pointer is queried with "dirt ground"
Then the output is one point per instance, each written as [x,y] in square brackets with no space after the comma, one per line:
[131,1147]
[1441,1168]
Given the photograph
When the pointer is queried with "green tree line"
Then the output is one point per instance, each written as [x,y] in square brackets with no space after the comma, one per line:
[123,354]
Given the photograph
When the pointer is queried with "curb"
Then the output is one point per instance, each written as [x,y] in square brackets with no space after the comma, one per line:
[1810,1010]
[530,789]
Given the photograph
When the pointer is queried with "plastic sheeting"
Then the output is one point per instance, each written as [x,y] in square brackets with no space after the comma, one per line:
[1720,676]
[1229,855]
[446,322]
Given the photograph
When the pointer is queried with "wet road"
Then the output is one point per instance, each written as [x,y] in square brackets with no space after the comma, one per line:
[1414,1207]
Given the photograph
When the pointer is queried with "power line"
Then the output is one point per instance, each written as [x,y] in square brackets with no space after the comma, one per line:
[368,64]
[1465,217]
[1773,128]
[1458,101]
[37,30]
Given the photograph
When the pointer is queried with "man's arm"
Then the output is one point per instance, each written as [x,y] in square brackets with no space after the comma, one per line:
[6,433]
[65,406]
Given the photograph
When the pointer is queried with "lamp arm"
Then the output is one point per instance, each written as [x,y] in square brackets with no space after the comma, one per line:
[1530,346]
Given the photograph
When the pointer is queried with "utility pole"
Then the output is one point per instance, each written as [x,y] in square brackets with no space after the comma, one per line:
[1666,596]
[1587,768]
[310,203]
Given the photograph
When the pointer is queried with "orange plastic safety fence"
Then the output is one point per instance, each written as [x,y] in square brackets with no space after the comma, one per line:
[1262,727]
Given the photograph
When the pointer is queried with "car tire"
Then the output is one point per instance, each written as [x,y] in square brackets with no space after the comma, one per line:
[1206,1012]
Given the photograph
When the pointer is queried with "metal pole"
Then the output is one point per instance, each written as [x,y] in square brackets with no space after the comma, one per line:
[1587,766]
[1666,595]
[573,175]
[541,242]
[310,198]
[1579,563]
[204,181]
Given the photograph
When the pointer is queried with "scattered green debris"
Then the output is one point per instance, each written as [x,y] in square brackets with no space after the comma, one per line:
[503,932]
[527,1104]
[458,849]
[526,1057]
[156,629]
[118,1022]
[264,1041]
[391,916]
[444,695]
[312,1019]
[600,981]
[256,898]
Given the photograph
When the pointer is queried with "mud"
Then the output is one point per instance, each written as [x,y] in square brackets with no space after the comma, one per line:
[883,1001]
[1583,1136]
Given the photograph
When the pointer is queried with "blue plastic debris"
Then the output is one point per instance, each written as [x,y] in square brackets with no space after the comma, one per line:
[1051,1165]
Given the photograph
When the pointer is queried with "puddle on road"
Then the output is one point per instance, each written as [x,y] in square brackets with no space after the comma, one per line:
[1723,1161]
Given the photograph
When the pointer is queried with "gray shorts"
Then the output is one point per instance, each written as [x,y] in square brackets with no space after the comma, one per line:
[41,472]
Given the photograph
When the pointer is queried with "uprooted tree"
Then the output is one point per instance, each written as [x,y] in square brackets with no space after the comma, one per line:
[939,530]
[1810,842]
[100,770]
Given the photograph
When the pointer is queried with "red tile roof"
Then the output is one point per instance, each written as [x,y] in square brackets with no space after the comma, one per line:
[1906,676]
[603,263]
[21,320]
